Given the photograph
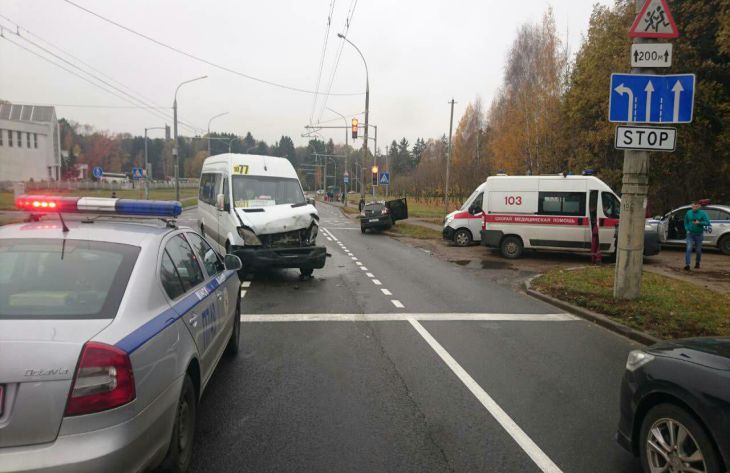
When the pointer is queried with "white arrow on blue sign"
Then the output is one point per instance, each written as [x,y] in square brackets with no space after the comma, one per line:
[97,172]
[638,98]
[384,178]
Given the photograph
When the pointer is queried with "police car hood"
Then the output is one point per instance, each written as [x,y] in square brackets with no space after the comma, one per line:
[277,218]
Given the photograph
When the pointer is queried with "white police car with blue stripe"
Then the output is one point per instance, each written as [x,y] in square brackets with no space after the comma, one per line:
[110,329]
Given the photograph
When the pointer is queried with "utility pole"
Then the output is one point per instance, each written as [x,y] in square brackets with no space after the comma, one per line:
[448,158]
[175,151]
[635,183]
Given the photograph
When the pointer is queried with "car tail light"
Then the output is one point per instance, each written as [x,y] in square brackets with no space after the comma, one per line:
[103,380]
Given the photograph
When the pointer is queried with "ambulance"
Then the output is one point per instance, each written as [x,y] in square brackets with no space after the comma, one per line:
[551,212]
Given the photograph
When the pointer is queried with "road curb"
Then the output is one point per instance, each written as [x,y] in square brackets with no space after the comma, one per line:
[595,317]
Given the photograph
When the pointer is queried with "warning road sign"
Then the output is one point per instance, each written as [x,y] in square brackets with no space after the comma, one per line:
[654,21]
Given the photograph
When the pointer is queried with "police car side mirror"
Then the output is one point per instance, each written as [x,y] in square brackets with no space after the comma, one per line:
[232,262]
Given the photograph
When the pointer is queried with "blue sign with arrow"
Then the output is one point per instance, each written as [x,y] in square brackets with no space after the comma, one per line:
[639,98]
[137,173]
[97,172]
[384,178]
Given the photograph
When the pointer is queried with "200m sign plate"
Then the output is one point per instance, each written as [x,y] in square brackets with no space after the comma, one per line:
[645,138]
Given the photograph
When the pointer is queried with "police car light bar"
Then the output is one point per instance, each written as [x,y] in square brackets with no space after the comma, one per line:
[100,205]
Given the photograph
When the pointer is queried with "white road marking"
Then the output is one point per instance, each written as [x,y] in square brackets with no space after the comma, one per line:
[363,268]
[432,317]
[538,456]
[328,238]
[397,303]
[243,293]
[386,292]
[370,275]
[246,284]
[377,282]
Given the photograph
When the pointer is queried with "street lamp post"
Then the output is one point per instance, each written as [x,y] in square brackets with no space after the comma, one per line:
[147,172]
[211,119]
[175,154]
[346,149]
[230,143]
[367,111]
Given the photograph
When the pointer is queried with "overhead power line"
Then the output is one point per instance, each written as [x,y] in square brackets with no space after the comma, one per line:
[72,72]
[200,59]
[321,59]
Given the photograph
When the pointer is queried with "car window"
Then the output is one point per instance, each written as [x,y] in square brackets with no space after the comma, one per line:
[562,203]
[185,262]
[63,279]
[717,214]
[611,205]
[477,204]
[205,253]
[169,277]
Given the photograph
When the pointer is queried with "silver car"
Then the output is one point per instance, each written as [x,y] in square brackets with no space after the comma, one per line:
[671,227]
[109,333]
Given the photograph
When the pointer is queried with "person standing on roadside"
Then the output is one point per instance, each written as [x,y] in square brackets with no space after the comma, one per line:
[695,221]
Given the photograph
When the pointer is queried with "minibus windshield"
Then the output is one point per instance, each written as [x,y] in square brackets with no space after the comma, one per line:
[263,191]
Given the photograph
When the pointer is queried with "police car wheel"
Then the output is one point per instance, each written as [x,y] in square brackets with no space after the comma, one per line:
[462,237]
[724,245]
[233,342]
[511,247]
[180,451]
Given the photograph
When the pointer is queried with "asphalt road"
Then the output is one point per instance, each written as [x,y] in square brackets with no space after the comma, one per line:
[393,360]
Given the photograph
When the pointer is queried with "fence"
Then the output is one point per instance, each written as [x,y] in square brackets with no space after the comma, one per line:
[110,186]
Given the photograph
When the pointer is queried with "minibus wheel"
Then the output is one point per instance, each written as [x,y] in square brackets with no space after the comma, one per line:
[511,247]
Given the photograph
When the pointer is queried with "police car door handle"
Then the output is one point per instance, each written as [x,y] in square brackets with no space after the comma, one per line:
[193,320]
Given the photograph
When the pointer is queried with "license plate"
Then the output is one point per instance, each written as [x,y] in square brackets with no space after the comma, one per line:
[373,220]
[2,399]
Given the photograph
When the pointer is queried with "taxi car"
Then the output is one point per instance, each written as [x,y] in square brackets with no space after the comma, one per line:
[110,329]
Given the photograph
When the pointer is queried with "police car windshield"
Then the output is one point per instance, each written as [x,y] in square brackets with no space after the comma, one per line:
[263,191]
[57,279]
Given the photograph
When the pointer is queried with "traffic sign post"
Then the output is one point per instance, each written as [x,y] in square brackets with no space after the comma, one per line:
[645,98]
[640,98]
[651,55]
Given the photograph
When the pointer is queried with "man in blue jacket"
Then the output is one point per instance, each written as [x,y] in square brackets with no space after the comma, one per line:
[695,221]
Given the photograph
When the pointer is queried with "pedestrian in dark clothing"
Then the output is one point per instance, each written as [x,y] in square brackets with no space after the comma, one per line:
[695,222]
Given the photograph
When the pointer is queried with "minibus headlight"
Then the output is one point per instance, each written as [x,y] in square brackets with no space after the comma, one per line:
[249,237]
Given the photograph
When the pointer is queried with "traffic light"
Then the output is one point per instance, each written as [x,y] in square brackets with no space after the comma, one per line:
[354,128]
[374,171]
[167,131]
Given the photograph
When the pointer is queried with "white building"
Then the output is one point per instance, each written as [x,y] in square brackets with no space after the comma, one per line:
[30,145]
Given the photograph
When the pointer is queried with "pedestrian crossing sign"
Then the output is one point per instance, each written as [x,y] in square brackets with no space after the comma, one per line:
[384,178]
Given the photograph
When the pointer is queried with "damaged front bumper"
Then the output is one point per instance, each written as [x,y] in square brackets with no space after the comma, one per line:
[255,258]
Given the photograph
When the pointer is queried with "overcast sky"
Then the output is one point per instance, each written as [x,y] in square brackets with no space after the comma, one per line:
[420,53]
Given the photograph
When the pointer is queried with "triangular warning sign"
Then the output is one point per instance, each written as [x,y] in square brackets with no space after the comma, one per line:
[654,21]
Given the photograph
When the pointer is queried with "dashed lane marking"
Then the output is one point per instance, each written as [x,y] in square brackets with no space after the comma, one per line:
[428,317]
[377,282]
[363,268]
[398,303]
[370,275]
[246,284]
[386,292]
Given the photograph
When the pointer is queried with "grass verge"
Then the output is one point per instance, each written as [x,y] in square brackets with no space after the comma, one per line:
[414,231]
[667,308]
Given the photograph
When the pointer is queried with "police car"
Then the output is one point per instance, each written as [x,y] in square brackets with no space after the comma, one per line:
[110,329]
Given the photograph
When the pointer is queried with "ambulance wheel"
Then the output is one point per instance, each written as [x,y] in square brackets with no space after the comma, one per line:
[511,247]
[462,237]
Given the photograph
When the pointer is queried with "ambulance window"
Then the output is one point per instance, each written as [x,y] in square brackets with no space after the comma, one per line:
[611,205]
[562,203]
[477,204]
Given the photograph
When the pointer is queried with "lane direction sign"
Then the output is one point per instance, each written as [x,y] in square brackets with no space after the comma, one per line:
[384,178]
[645,138]
[641,98]
[654,21]
[651,55]
[97,172]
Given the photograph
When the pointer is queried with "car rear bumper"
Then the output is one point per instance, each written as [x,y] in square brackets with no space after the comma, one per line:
[310,257]
[134,445]
[376,222]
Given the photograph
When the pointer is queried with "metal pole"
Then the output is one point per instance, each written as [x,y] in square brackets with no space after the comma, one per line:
[630,245]
[448,158]
[347,146]
[146,169]
[211,119]
[175,155]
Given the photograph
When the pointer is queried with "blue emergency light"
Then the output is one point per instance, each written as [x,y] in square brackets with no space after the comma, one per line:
[100,205]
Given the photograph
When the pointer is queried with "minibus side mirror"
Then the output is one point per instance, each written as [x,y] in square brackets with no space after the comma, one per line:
[310,201]
[220,203]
